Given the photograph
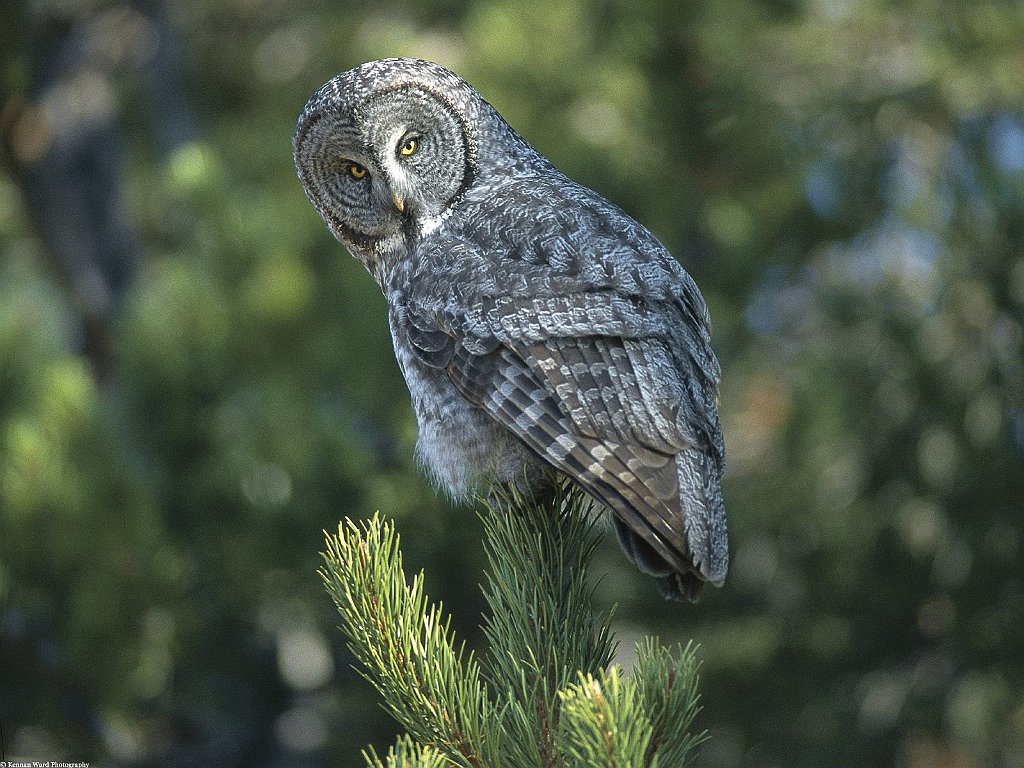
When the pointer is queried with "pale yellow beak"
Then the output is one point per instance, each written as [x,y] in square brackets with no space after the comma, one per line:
[399,202]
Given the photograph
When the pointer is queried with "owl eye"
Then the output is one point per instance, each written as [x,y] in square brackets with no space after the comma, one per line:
[409,146]
[356,171]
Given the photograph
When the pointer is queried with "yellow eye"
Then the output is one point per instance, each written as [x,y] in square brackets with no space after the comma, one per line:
[357,171]
[411,145]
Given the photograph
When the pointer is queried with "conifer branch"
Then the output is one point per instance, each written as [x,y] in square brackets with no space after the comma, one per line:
[667,683]
[404,643]
[407,754]
[554,699]
[604,724]
[542,628]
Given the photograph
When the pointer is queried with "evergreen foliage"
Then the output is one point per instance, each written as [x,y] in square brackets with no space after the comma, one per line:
[404,642]
[553,697]
[408,754]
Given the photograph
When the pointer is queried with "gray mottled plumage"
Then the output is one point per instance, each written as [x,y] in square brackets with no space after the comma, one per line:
[538,326]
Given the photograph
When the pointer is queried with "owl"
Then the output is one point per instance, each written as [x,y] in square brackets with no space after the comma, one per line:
[542,332]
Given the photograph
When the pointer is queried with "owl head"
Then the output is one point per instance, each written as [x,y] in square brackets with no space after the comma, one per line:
[385,149]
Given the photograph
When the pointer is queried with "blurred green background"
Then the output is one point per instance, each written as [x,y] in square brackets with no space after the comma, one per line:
[195,379]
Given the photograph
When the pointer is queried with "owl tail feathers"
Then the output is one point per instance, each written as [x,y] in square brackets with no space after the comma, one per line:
[703,545]
[700,499]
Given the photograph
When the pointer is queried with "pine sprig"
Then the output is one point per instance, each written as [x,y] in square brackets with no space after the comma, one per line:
[667,683]
[407,754]
[604,724]
[642,722]
[552,699]
[542,628]
[404,642]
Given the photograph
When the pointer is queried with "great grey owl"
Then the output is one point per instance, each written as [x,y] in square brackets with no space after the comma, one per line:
[541,330]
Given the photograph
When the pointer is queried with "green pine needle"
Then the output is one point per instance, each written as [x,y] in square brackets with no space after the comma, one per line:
[404,643]
[667,683]
[604,723]
[407,754]
[552,699]
[542,627]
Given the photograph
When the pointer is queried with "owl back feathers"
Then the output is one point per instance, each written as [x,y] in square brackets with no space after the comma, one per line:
[600,363]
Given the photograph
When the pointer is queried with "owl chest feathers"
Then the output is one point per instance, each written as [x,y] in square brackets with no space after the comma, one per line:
[460,445]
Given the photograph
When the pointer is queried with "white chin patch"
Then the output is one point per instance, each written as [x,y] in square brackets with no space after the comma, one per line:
[429,224]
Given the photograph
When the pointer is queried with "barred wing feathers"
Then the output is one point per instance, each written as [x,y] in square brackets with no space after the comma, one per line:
[594,384]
